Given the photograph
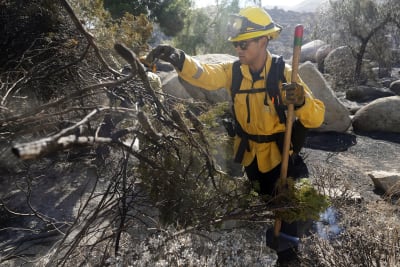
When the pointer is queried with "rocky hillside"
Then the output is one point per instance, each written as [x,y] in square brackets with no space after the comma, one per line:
[309,5]
[289,19]
[304,6]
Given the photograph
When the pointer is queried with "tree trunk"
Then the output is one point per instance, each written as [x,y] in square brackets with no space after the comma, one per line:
[359,60]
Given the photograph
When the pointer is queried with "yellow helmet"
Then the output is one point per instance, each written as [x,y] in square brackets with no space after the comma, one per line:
[252,22]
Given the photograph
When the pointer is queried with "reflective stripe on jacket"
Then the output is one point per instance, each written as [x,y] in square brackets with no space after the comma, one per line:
[263,119]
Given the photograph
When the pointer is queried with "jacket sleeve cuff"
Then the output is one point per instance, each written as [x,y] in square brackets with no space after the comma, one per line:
[180,59]
[300,106]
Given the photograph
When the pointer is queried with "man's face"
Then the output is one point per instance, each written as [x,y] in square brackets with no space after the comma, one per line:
[249,51]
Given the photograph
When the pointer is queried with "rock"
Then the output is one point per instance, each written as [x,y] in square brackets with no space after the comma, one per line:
[379,115]
[395,87]
[367,93]
[198,93]
[337,117]
[172,86]
[215,58]
[320,56]
[339,63]
[385,82]
[309,50]
[389,182]
[177,87]
[351,106]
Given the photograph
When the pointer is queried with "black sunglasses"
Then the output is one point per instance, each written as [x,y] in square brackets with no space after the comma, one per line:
[244,44]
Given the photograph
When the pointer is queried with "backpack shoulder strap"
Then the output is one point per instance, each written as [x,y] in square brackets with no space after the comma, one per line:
[237,77]
[276,75]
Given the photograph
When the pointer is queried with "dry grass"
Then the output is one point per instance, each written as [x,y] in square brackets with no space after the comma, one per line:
[370,235]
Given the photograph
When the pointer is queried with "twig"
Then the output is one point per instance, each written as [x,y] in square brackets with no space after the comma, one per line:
[3,101]
[64,99]
[137,67]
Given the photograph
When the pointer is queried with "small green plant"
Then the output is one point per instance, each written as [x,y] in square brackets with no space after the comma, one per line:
[210,118]
[301,201]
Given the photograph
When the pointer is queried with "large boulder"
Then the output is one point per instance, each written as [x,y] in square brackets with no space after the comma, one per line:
[176,86]
[339,63]
[198,93]
[388,182]
[309,50]
[337,117]
[215,58]
[172,86]
[395,87]
[381,115]
[365,93]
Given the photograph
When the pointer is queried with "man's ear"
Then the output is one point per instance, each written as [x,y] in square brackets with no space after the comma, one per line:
[264,40]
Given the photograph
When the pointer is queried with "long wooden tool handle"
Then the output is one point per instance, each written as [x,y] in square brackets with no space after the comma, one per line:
[298,36]
[298,39]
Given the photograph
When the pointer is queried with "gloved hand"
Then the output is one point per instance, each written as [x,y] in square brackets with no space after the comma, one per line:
[293,93]
[169,54]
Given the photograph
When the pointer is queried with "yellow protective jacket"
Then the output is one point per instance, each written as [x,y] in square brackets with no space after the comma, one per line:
[263,119]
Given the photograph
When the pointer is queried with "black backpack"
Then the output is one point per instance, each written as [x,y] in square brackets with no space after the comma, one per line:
[275,75]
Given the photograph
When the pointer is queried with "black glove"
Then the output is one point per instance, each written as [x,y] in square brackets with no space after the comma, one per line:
[169,54]
[293,93]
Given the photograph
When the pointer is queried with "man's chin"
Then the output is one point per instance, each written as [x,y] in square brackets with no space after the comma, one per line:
[243,60]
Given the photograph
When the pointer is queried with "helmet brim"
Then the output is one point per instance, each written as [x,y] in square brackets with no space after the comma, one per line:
[271,33]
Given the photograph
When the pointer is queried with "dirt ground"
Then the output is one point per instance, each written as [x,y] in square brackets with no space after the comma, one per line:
[354,156]
[351,156]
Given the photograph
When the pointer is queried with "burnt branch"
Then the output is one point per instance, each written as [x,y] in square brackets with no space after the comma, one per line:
[37,149]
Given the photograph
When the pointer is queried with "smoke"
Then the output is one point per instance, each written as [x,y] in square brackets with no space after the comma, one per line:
[327,227]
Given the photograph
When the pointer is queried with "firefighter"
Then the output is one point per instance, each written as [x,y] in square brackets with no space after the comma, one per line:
[256,107]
